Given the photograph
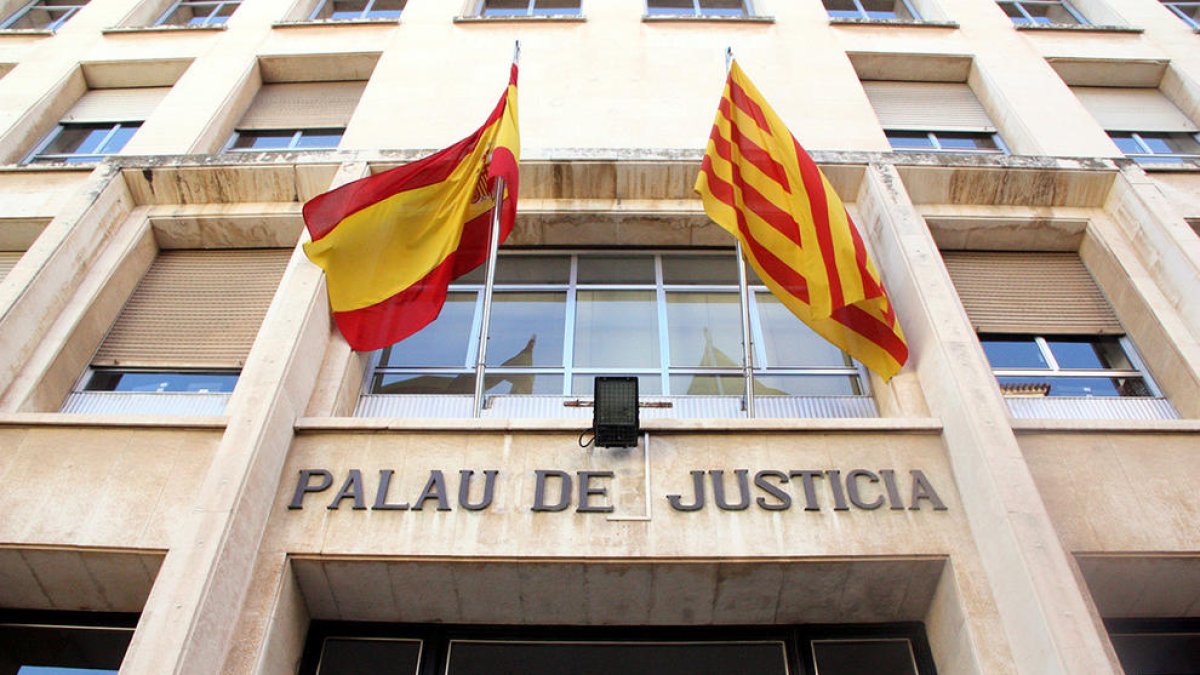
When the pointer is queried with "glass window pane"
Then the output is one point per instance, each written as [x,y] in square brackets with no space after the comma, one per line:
[886,9]
[672,7]
[522,384]
[842,9]
[1172,144]
[863,657]
[490,658]
[707,385]
[704,330]
[418,383]
[77,140]
[1092,353]
[583,384]
[616,269]
[558,7]
[616,329]
[1013,352]
[1126,143]
[1149,654]
[696,270]
[196,382]
[263,140]
[50,649]
[506,7]
[527,329]
[368,657]
[722,7]
[386,9]
[909,140]
[791,344]
[807,385]
[119,138]
[341,9]
[319,138]
[966,141]
[531,269]
[443,342]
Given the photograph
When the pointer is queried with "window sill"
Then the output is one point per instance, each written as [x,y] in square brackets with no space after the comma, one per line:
[848,21]
[28,32]
[1105,426]
[1077,28]
[163,29]
[307,23]
[1186,166]
[28,419]
[359,424]
[550,18]
[660,18]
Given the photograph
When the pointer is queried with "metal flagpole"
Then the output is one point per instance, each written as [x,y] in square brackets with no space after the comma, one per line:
[744,291]
[490,280]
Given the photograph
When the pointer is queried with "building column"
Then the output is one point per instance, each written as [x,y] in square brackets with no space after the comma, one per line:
[1050,625]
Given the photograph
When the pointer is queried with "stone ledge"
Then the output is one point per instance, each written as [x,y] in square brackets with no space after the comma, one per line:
[310,23]
[1105,426]
[551,18]
[662,18]
[911,23]
[1078,28]
[470,425]
[111,421]
[163,29]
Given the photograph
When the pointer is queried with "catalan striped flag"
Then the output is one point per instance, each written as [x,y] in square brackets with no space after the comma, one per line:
[758,183]
[391,243]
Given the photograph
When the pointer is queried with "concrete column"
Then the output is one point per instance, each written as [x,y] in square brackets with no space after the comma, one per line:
[186,626]
[1050,626]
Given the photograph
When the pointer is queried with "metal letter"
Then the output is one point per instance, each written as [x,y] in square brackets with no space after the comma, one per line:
[539,490]
[922,489]
[676,501]
[381,503]
[810,491]
[893,492]
[435,488]
[351,489]
[839,493]
[464,489]
[785,500]
[852,489]
[303,487]
[718,481]
[586,491]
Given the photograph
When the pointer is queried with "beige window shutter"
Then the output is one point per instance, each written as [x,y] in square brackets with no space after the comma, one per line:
[927,106]
[8,259]
[116,105]
[303,105]
[1036,293]
[1118,109]
[195,309]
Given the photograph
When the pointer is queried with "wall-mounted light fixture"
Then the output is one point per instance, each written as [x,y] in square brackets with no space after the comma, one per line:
[615,415]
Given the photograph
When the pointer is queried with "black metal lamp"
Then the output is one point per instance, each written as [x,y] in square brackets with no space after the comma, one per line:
[615,415]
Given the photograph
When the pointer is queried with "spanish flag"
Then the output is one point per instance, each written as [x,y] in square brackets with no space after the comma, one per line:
[391,243]
[760,185]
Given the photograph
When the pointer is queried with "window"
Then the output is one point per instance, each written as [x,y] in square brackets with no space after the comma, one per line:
[1045,326]
[100,123]
[340,648]
[1041,12]
[673,320]
[296,116]
[44,14]
[529,8]
[199,13]
[53,643]
[1188,11]
[1143,123]
[871,9]
[1151,646]
[697,8]
[179,343]
[933,117]
[347,10]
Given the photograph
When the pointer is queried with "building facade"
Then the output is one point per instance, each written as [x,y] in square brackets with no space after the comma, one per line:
[199,476]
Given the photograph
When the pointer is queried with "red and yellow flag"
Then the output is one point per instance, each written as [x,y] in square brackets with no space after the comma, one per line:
[758,183]
[391,243]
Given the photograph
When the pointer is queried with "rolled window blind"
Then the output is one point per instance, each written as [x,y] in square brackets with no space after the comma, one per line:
[8,259]
[303,105]
[116,105]
[1038,293]
[929,106]
[1118,109]
[195,309]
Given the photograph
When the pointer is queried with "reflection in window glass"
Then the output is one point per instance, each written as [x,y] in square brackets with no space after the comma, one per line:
[348,656]
[526,329]
[695,270]
[648,385]
[616,329]
[1084,365]
[704,330]
[613,658]
[789,343]
[624,269]
[1162,651]
[1013,352]
[162,381]
[530,269]
[417,383]
[502,383]
[807,385]
[442,343]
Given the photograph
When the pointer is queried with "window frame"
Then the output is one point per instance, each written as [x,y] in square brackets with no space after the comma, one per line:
[698,11]
[664,371]
[1031,19]
[38,155]
[293,144]
[1176,8]
[936,142]
[1151,157]
[1055,371]
[57,620]
[861,12]
[531,10]
[93,374]
[71,10]
[365,15]
[209,20]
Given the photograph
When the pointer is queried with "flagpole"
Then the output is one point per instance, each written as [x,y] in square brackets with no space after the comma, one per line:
[744,292]
[490,281]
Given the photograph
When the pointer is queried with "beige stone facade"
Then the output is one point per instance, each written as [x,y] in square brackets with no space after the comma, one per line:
[1046,520]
